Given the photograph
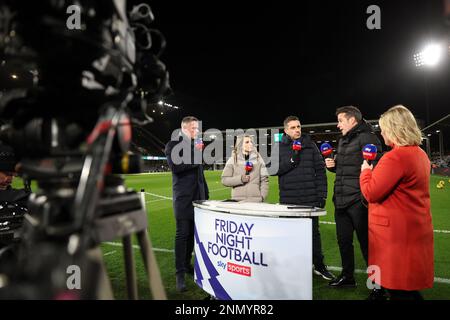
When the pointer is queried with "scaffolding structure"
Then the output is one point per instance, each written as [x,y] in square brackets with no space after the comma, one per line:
[435,132]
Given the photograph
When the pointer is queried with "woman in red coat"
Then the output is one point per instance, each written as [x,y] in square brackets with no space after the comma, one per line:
[400,228]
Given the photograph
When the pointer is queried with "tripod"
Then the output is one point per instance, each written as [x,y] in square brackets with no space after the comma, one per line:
[116,214]
[82,203]
[124,226]
[73,134]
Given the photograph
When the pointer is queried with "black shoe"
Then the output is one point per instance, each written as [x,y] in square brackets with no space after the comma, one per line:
[181,284]
[377,295]
[343,282]
[324,273]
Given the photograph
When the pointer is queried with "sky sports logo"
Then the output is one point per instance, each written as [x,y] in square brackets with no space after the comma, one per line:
[238,269]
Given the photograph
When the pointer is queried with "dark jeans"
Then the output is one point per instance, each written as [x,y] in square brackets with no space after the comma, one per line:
[404,295]
[184,244]
[317,244]
[350,219]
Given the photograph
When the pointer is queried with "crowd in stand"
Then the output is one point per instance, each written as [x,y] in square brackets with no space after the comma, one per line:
[438,162]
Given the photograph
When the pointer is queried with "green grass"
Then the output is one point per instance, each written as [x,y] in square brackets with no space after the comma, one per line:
[162,232]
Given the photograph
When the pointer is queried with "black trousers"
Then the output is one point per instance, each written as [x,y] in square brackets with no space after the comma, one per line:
[184,244]
[350,219]
[317,244]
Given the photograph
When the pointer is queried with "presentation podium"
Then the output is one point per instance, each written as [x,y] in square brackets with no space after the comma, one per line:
[254,251]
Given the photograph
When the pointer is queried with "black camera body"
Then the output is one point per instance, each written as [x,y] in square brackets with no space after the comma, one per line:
[74,77]
[56,80]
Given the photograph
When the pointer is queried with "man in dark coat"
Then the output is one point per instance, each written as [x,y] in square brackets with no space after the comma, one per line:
[350,209]
[189,184]
[302,180]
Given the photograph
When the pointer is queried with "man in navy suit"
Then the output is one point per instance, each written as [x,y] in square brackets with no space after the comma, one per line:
[189,184]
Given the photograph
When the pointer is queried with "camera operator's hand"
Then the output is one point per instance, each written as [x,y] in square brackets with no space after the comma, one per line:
[245,178]
[295,158]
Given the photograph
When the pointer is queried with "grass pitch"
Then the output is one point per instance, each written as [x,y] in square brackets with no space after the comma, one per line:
[162,232]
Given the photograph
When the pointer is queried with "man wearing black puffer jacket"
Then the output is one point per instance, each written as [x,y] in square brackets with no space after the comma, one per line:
[302,180]
[350,210]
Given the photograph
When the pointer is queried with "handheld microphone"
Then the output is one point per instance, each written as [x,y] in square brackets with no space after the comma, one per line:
[369,152]
[248,167]
[296,146]
[326,150]
[198,143]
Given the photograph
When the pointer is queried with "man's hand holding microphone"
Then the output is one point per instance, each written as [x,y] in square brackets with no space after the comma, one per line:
[327,152]
[330,163]
[296,148]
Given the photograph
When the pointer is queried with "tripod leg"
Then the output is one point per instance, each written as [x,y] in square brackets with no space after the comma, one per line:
[104,291]
[153,274]
[129,268]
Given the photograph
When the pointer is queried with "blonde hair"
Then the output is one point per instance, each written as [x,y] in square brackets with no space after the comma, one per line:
[400,127]
[237,149]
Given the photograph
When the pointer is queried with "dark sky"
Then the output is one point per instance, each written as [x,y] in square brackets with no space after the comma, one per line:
[240,66]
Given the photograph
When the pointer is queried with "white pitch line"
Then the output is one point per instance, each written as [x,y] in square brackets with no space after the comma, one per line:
[332,268]
[442,280]
[135,246]
[159,196]
[170,198]
[437,280]
[109,253]
[151,201]
[442,231]
[321,222]
[435,231]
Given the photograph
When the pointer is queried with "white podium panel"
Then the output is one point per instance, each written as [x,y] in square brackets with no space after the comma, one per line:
[247,257]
